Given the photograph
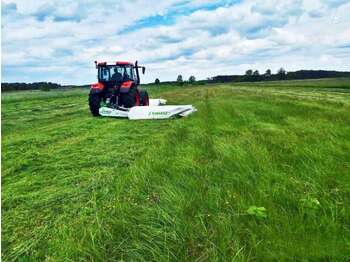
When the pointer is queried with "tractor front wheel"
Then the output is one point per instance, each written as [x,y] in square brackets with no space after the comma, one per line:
[144,99]
[95,104]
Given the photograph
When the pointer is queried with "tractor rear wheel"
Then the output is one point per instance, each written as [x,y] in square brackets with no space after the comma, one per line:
[95,104]
[144,99]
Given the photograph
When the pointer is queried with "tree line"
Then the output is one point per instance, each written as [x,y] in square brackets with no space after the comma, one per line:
[254,75]
[281,74]
[180,81]
[44,86]
[249,76]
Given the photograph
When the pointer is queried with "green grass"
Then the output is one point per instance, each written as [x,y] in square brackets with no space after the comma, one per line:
[260,172]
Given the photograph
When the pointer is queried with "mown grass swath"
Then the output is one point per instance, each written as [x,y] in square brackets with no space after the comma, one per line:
[261,171]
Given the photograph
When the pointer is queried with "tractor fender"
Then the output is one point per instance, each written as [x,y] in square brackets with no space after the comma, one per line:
[96,88]
[125,87]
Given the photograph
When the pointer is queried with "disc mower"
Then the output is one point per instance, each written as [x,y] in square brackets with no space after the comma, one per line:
[118,94]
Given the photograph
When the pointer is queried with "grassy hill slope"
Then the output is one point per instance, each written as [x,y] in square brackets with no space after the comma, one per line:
[261,172]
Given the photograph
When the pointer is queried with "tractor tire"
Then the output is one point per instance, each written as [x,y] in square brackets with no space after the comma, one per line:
[129,100]
[95,104]
[144,99]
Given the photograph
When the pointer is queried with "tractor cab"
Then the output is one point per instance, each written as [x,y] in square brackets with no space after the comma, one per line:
[118,73]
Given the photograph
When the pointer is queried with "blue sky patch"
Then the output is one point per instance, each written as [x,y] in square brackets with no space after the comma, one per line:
[8,8]
[174,12]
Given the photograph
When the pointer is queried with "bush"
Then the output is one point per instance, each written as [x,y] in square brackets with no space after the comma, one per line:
[45,88]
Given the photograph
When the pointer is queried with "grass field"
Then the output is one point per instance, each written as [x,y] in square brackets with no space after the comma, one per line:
[260,172]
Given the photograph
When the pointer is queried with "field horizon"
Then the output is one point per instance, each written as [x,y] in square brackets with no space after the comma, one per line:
[260,173]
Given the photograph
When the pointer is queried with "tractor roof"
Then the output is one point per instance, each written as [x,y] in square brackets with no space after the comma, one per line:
[115,63]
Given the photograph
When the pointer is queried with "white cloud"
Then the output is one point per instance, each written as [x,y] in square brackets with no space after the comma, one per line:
[61,39]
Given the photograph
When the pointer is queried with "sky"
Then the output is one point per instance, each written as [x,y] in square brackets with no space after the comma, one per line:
[59,40]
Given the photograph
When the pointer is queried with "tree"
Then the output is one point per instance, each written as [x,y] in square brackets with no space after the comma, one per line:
[256,73]
[268,73]
[179,80]
[192,79]
[157,82]
[249,72]
[281,73]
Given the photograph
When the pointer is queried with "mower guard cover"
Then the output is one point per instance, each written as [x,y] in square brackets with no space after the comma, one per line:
[154,111]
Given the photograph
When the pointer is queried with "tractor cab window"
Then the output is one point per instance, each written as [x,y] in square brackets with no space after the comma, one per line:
[128,73]
[104,74]
[116,73]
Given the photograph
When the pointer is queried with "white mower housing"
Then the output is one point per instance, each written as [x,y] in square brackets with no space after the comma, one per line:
[156,110]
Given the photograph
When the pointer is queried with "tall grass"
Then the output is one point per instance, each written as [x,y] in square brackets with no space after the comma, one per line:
[76,187]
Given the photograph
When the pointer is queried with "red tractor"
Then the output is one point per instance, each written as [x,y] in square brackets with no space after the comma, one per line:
[117,87]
